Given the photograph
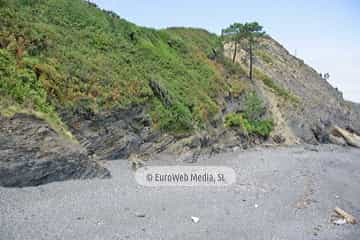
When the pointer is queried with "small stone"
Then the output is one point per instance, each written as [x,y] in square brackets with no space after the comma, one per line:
[339,221]
[140,215]
[100,223]
[195,219]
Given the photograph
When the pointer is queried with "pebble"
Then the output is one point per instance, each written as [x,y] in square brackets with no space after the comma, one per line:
[140,215]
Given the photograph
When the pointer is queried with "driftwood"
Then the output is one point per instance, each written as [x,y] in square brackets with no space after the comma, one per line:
[348,217]
[350,138]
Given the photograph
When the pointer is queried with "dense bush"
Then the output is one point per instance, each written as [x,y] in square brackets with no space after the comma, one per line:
[251,121]
[80,51]
[261,127]
[20,83]
[254,107]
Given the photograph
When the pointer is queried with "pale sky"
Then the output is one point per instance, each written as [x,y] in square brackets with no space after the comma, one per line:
[325,34]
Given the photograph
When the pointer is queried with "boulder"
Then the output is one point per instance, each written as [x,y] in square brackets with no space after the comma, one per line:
[350,138]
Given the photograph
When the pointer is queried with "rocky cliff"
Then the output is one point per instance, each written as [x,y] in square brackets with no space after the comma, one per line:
[106,89]
[316,104]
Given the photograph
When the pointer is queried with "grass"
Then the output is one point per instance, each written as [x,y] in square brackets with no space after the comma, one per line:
[278,90]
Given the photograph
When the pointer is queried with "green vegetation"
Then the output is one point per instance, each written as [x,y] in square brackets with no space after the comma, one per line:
[238,87]
[262,127]
[60,55]
[250,33]
[56,53]
[21,83]
[276,88]
[251,121]
[235,75]
[22,92]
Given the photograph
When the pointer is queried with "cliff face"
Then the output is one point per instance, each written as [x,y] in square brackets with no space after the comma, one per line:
[318,104]
[32,153]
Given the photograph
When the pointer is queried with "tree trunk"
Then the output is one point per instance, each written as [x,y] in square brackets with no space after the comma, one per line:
[235,51]
[251,62]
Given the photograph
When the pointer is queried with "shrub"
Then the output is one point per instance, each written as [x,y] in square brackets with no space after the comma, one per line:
[251,120]
[176,119]
[261,127]
[21,84]
[254,108]
[234,120]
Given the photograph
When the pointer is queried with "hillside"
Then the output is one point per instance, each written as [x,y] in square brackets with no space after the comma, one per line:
[72,52]
[99,87]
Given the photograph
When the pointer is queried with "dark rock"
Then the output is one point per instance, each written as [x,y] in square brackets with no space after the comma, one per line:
[31,154]
[161,93]
[195,142]
[217,121]
[321,133]
[113,134]
[162,143]
[213,54]
[140,215]
[196,155]
[125,146]
[278,139]
[206,141]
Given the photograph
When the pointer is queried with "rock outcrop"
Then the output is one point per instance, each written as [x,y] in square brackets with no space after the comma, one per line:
[31,153]
[116,134]
[350,138]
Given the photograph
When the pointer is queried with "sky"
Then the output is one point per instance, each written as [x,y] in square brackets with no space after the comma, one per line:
[325,34]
